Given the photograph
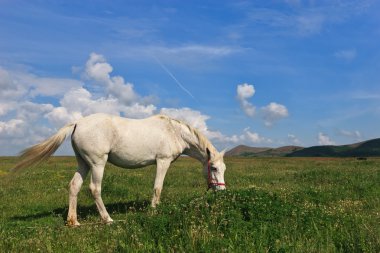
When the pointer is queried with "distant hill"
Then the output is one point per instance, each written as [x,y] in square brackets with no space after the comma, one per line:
[362,149]
[242,150]
[247,151]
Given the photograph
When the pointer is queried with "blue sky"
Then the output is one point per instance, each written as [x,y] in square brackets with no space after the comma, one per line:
[260,73]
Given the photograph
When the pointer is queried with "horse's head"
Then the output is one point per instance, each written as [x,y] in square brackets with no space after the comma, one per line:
[214,170]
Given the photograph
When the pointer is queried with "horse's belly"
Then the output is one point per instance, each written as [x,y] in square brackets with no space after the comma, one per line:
[130,161]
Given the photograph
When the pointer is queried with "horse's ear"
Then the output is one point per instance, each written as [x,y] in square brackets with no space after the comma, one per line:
[222,153]
[208,154]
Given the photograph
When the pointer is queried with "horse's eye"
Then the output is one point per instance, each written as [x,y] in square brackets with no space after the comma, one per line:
[213,169]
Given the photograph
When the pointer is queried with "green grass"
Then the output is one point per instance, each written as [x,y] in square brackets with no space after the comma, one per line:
[271,205]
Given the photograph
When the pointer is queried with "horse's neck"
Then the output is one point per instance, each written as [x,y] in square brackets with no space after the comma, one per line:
[196,153]
[196,143]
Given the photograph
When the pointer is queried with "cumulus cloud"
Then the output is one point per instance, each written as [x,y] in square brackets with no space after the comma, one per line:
[10,86]
[271,113]
[15,84]
[60,116]
[244,92]
[51,86]
[24,128]
[80,102]
[247,137]
[99,70]
[292,139]
[255,137]
[11,128]
[199,121]
[189,116]
[138,111]
[23,122]
[6,107]
[117,96]
[356,135]
[324,139]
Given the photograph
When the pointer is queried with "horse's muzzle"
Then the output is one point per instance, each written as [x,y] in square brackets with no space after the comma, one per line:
[217,186]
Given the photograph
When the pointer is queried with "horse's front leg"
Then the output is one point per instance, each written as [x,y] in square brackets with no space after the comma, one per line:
[162,168]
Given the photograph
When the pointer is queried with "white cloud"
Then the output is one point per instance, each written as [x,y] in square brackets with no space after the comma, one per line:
[59,116]
[138,111]
[79,102]
[196,57]
[23,122]
[244,92]
[255,137]
[5,80]
[30,111]
[324,139]
[198,120]
[6,107]
[273,112]
[15,84]
[24,129]
[194,118]
[347,55]
[99,70]
[191,51]
[52,86]
[293,139]
[351,134]
[201,50]
[10,85]
[11,128]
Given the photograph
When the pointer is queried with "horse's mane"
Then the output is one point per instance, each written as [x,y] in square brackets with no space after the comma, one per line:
[200,138]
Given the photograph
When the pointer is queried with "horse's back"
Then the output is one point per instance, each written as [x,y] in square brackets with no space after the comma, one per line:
[141,142]
[128,142]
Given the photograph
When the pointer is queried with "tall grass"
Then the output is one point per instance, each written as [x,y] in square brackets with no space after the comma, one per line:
[271,205]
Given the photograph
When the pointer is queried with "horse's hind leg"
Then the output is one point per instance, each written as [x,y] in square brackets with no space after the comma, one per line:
[75,185]
[97,171]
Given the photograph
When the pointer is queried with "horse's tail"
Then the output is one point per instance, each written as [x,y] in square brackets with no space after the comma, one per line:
[40,152]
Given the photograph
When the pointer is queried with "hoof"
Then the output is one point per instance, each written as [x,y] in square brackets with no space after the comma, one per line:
[154,204]
[109,221]
[72,223]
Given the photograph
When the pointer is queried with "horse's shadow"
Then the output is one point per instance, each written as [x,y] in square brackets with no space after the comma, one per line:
[85,211]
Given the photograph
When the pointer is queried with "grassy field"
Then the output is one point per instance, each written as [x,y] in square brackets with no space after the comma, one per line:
[271,205]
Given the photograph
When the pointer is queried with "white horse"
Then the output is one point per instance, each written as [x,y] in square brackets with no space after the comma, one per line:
[128,143]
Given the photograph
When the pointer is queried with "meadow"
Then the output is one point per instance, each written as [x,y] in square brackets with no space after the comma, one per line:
[271,205]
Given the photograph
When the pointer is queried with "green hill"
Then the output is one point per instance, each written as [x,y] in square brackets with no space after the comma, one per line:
[368,148]
[246,151]
[362,149]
